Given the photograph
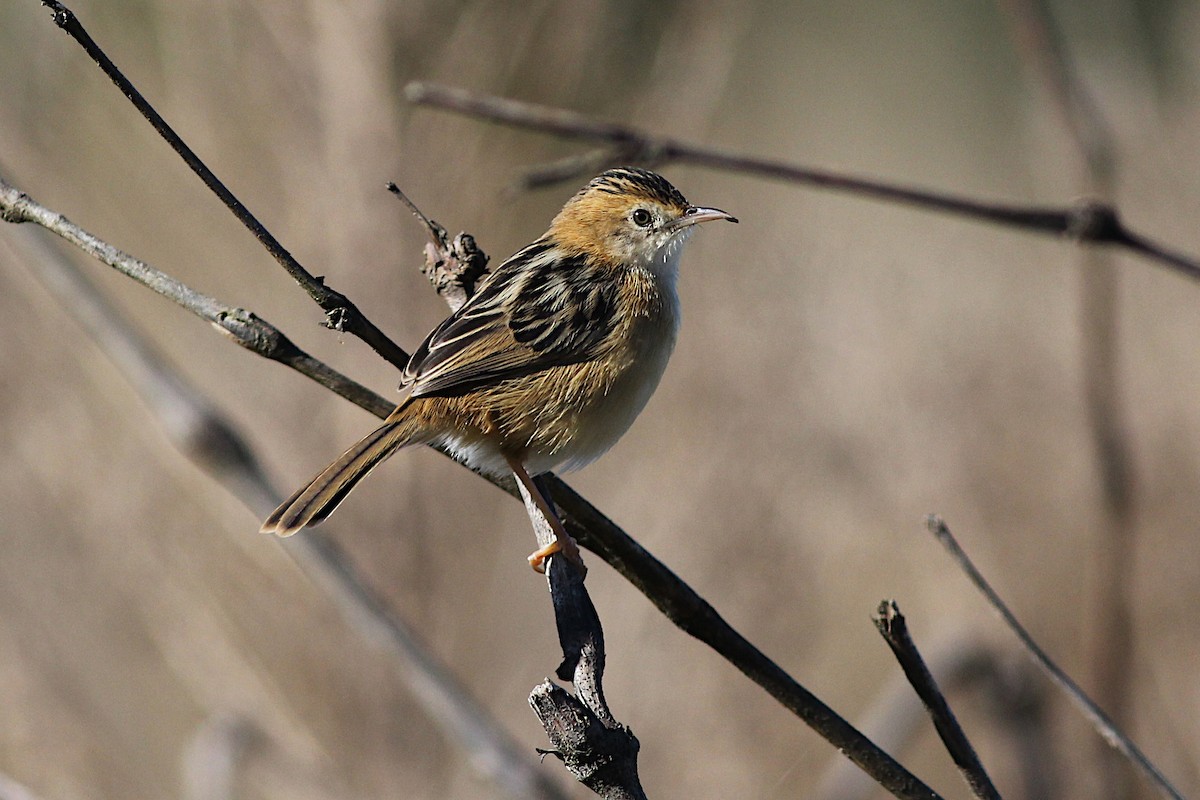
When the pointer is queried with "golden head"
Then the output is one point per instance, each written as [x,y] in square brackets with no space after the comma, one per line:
[629,216]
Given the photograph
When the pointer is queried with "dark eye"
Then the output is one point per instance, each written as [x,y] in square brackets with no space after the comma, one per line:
[641,217]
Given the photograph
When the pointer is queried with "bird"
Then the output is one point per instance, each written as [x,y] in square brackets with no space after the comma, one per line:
[552,358]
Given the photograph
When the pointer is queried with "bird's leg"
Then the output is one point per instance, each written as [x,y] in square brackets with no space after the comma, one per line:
[562,542]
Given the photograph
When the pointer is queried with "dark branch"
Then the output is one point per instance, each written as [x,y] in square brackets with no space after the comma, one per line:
[1087,222]
[894,629]
[599,751]
[692,614]
[1100,721]
[340,313]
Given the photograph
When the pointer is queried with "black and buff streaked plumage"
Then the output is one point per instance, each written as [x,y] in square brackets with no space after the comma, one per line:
[552,358]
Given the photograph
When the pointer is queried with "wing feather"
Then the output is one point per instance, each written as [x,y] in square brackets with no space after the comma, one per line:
[537,310]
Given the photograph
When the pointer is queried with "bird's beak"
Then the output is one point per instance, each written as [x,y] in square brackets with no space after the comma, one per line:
[694,215]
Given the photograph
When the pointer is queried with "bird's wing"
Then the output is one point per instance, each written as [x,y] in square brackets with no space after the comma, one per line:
[537,310]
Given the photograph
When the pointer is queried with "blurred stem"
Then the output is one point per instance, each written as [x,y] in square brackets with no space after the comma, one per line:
[1041,44]
[1104,725]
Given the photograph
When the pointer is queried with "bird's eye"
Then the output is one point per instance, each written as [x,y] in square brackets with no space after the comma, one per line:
[641,217]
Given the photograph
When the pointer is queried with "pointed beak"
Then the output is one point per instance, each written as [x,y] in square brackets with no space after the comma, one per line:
[694,215]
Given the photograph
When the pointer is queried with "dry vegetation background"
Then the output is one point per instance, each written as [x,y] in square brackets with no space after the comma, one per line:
[844,368]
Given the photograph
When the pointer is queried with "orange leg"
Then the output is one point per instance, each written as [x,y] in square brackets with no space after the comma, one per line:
[563,543]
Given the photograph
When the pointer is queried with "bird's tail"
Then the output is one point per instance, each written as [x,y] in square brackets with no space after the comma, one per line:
[317,500]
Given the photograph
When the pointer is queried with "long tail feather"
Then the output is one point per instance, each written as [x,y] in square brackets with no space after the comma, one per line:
[316,501]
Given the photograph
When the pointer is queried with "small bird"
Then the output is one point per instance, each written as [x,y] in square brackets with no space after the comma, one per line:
[551,359]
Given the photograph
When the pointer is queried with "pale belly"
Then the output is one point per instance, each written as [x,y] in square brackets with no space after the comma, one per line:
[587,426]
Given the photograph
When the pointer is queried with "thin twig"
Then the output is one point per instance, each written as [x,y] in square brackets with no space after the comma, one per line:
[1088,222]
[1009,692]
[1041,43]
[1100,721]
[340,313]
[894,629]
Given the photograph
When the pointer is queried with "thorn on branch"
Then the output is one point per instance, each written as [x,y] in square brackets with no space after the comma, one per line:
[543,753]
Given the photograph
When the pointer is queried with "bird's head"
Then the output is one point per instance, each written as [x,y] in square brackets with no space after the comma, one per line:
[629,216]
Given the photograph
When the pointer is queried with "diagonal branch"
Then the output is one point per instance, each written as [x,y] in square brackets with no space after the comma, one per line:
[692,614]
[340,313]
[1086,222]
[894,628]
[244,327]
[1100,721]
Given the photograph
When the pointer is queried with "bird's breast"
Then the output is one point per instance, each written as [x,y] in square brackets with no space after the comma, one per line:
[567,416]
[623,380]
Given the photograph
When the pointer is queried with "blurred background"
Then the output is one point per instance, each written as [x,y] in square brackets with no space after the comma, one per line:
[844,367]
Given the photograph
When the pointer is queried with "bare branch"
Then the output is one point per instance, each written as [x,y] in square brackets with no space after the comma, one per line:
[692,614]
[599,751]
[1100,721]
[894,629]
[340,313]
[1087,222]
[1008,691]
[242,326]
[1041,44]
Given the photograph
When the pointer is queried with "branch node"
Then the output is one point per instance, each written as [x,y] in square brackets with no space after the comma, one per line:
[453,266]
[1093,221]
[255,334]
[63,16]
[336,319]
[601,757]
[14,211]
